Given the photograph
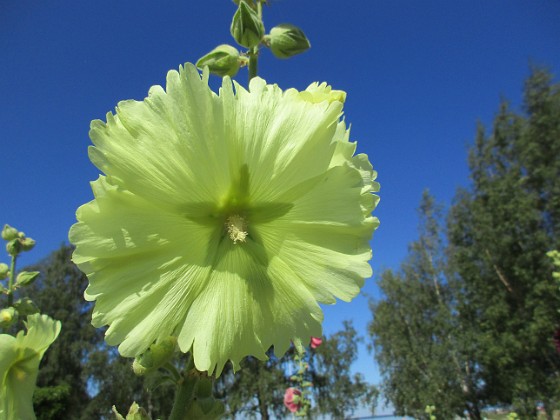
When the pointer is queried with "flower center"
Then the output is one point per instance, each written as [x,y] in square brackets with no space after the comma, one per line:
[237,228]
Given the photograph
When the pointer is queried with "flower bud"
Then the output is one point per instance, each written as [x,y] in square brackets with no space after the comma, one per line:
[26,277]
[13,247]
[7,317]
[247,27]
[9,233]
[224,60]
[25,306]
[4,270]
[27,244]
[292,399]
[287,40]
[316,342]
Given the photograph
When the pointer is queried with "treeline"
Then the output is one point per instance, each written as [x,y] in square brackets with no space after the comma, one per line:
[469,320]
[82,378]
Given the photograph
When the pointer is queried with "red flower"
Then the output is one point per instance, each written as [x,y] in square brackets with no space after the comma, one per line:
[316,342]
[292,399]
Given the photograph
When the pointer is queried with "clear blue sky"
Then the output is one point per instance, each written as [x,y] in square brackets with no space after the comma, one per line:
[419,75]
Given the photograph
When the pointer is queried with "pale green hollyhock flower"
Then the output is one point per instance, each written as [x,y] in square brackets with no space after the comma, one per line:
[19,365]
[223,220]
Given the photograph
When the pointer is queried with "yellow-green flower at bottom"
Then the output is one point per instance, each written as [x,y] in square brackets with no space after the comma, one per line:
[19,365]
[224,219]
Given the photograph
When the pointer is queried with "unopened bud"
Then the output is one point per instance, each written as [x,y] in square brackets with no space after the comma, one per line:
[247,27]
[7,317]
[13,247]
[25,306]
[27,244]
[287,40]
[224,60]
[4,270]
[9,233]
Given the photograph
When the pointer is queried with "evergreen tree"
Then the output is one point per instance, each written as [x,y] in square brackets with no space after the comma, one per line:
[499,232]
[422,356]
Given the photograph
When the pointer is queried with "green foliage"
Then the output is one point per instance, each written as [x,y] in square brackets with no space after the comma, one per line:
[499,234]
[418,345]
[258,388]
[472,325]
[338,393]
[50,402]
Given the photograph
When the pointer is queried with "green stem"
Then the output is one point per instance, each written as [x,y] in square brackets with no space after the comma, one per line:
[254,52]
[184,395]
[253,62]
[11,281]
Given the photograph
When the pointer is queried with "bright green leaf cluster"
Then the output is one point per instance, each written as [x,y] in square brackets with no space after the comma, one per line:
[17,242]
[555,256]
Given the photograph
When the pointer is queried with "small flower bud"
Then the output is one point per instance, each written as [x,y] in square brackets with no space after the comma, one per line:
[292,399]
[26,277]
[27,244]
[9,233]
[287,40]
[13,247]
[4,270]
[316,342]
[7,317]
[247,27]
[224,60]
[25,306]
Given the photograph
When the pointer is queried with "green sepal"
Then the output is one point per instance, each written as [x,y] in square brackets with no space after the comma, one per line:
[134,413]
[155,357]
[205,409]
[247,27]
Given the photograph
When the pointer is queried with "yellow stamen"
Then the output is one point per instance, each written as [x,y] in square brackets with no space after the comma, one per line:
[237,228]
